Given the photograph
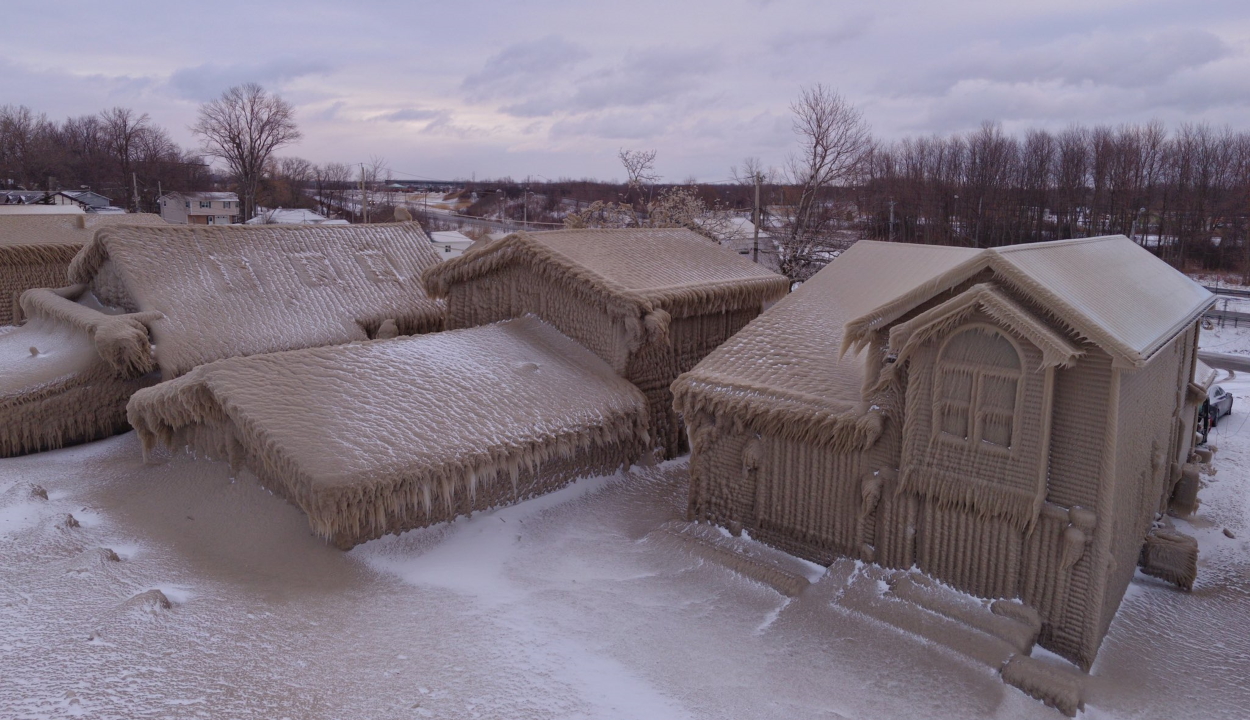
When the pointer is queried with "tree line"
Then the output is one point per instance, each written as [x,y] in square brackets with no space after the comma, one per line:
[123,155]
[117,152]
[1184,193]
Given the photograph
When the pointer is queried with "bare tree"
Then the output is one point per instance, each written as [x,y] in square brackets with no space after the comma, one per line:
[331,181]
[834,144]
[372,174]
[288,178]
[243,128]
[640,179]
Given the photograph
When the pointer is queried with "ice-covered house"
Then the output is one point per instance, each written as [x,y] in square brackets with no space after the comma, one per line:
[650,303]
[35,250]
[149,303]
[556,365]
[1009,421]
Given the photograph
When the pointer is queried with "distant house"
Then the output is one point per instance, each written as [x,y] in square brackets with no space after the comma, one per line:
[738,232]
[200,208]
[291,216]
[85,200]
[450,243]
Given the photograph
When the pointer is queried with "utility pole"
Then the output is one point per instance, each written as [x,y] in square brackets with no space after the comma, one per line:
[525,203]
[890,234]
[755,220]
[364,200]
[134,179]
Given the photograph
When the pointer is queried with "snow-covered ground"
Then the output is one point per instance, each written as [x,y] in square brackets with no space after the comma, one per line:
[561,607]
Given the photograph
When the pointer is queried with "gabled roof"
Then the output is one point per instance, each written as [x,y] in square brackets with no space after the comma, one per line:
[1107,289]
[670,268]
[232,290]
[368,436]
[805,357]
[204,195]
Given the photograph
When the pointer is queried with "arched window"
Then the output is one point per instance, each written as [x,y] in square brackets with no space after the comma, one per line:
[977,392]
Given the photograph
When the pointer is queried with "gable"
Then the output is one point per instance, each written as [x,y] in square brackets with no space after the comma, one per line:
[637,270]
[1107,290]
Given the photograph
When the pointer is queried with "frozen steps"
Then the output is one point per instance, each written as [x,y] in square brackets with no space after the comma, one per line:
[999,634]
[784,573]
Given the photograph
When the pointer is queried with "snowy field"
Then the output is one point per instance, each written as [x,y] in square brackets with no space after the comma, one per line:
[561,607]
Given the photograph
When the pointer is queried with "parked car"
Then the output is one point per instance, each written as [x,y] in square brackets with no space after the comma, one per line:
[1219,404]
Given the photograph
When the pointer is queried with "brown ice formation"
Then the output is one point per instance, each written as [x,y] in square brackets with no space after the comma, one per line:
[1009,421]
[152,302]
[650,303]
[35,251]
[380,437]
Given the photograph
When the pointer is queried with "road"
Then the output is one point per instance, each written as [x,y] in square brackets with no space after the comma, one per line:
[1227,291]
[1225,361]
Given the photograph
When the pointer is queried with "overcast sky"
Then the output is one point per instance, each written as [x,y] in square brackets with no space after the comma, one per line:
[554,88]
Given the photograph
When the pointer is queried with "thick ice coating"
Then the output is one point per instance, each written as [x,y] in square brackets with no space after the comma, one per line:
[170,298]
[56,389]
[227,291]
[1009,421]
[35,250]
[384,436]
[650,302]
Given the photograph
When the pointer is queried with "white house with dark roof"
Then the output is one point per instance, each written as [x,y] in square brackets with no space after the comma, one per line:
[200,208]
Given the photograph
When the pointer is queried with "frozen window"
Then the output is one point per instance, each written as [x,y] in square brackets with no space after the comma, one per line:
[977,393]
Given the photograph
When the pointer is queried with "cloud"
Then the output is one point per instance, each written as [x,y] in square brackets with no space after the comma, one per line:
[207,81]
[523,68]
[410,115]
[1116,60]
[646,77]
[791,41]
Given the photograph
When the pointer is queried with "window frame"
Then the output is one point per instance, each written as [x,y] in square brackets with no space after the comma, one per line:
[976,410]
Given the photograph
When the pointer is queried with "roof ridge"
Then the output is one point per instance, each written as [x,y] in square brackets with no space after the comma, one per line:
[1053,243]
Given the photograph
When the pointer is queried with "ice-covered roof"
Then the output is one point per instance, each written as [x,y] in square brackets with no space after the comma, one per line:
[238,289]
[371,438]
[791,353]
[64,228]
[39,209]
[669,267]
[807,352]
[1106,289]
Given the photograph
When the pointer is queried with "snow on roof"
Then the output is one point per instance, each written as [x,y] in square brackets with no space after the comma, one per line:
[454,237]
[287,216]
[204,195]
[807,354]
[376,437]
[670,267]
[239,290]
